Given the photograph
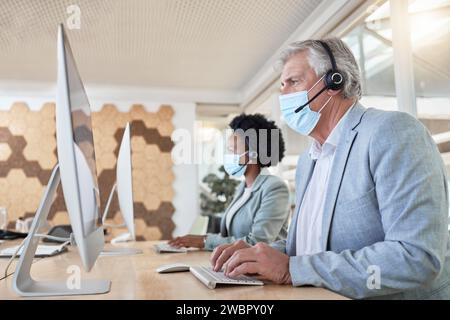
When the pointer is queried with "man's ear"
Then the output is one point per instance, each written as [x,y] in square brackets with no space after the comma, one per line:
[333,92]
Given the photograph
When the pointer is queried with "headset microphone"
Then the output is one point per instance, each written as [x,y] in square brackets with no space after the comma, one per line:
[309,101]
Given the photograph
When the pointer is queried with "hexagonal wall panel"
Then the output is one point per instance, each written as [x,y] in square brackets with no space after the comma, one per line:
[28,155]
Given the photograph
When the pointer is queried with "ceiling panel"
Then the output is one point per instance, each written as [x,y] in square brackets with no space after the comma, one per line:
[195,44]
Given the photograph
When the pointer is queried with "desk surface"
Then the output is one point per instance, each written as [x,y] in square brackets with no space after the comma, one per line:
[134,277]
[4,261]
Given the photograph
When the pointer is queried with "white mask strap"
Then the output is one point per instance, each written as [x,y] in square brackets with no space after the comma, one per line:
[315,84]
[325,104]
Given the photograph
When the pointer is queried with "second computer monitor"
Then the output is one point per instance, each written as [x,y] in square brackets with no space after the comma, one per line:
[125,182]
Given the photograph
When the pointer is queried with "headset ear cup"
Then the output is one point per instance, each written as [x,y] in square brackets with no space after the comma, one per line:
[334,80]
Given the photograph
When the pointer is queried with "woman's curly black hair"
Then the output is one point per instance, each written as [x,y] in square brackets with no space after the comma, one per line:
[257,122]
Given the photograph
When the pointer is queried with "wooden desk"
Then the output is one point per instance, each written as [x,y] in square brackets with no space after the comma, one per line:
[134,277]
[4,261]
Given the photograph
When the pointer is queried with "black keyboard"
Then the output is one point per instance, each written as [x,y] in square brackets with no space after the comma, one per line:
[12,235]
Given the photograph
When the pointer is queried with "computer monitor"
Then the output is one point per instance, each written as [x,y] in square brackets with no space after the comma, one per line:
[76,156]
[125,182]
[76,171]
[124,188]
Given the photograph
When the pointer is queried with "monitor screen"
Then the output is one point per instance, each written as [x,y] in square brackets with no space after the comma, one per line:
[83,138]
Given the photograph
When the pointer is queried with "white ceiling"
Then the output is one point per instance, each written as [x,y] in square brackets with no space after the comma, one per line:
[181,44]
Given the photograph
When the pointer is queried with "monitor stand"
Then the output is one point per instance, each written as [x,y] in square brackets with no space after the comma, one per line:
[23,283]
[116,251]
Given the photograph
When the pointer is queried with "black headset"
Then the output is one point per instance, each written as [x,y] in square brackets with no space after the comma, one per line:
[333,79]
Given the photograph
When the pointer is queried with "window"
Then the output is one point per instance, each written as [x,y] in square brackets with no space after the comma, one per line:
[371,42]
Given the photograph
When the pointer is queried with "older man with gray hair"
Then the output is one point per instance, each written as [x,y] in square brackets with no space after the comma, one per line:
[371,192]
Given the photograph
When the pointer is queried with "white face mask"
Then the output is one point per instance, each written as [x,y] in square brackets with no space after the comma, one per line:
[232,166]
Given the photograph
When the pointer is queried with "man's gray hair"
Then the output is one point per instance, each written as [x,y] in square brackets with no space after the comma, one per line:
[320,62]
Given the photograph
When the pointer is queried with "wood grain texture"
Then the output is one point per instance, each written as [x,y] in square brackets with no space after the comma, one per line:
[134,277]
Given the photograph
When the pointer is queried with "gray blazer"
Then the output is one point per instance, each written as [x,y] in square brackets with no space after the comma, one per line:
[385,213]
[262,218]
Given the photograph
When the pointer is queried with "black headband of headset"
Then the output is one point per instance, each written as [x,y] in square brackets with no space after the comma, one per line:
[330,54]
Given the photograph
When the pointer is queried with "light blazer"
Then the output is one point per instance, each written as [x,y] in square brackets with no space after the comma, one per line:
[262,218]
[386,213]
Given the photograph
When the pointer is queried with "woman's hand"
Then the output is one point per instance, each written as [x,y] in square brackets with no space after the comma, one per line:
[188,241]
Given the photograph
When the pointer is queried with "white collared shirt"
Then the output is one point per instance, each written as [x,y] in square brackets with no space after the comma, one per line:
[309,224]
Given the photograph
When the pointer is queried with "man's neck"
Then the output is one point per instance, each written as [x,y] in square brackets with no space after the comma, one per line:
[330,119]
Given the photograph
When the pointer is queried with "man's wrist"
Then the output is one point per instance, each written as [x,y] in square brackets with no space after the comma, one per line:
[288,279]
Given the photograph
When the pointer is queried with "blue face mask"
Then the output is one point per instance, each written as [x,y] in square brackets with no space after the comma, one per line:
[232,166]
[304,121]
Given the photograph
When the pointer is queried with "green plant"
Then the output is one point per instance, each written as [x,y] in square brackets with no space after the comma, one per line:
[221,191]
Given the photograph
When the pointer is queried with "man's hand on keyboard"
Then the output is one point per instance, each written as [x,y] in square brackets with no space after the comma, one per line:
[222,253]
[261,260]
[188,241]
